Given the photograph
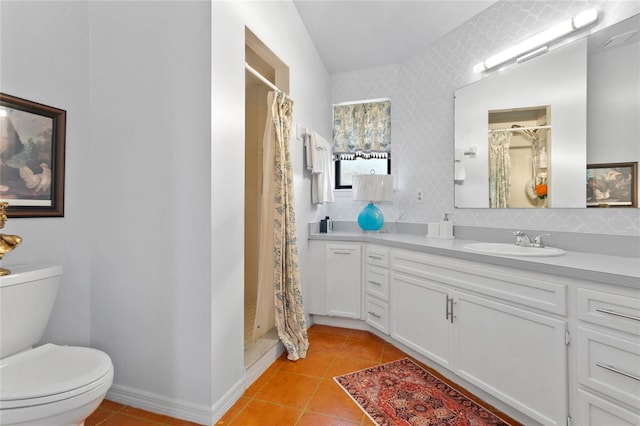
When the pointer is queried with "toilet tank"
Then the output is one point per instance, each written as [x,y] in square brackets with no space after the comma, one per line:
[27,296]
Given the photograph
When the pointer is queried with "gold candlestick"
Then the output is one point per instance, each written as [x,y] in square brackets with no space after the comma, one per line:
[7,242]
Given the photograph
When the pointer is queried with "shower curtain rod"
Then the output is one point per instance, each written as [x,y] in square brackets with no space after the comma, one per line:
[262,78]
[515,129]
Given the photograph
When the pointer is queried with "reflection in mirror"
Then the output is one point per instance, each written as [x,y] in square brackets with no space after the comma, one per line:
[525,96]
[613,127]
[610,75]
[519,164]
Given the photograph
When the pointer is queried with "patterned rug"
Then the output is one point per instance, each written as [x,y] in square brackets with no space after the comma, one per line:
[403,393]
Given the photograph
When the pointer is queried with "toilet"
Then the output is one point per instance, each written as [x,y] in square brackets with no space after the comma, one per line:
[48,385]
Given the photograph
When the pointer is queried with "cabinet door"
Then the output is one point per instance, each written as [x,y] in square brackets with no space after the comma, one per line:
[315,278]
[344,280]
[419,316]
[517,355]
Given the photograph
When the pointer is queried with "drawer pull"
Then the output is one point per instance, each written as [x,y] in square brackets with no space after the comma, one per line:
[373,314]
[615,370]
[618,314]
[374,283]
[371,256]
[342,252]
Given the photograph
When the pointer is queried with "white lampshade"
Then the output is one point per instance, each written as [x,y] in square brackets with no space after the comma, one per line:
[372,187]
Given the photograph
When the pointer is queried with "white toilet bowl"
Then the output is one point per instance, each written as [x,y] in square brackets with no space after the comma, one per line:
[49,385]
[53,385]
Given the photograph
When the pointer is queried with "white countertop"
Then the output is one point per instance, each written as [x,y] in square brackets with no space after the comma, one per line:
[617,270]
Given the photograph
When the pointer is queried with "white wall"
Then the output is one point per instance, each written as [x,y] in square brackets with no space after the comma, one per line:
[422,119]
[151,241]
[150,195]
[135,241]
[44,50]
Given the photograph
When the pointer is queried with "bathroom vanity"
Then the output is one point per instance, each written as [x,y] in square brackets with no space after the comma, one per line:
[556,339]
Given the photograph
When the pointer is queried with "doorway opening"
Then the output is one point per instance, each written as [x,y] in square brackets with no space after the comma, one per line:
[263,71]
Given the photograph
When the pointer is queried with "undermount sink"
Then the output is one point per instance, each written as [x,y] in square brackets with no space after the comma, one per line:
[502,249]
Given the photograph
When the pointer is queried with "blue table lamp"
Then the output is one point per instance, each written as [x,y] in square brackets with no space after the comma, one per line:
[372,187]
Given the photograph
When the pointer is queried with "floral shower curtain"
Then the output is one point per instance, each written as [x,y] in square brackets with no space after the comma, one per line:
[499,168]
[289,311]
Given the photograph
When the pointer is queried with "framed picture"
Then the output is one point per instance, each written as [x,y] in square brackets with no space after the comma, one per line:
[32,147]
[612,185]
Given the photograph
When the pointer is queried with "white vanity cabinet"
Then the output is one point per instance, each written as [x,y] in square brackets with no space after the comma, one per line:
[478,321]
[558,348]
[608,356]
[376,286]
[335,283]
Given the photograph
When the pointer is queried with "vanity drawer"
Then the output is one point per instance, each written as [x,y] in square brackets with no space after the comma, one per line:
[530,289]
[609,365]
[377,255]
[610,310]
[595,411]
[377,314]
[377,282]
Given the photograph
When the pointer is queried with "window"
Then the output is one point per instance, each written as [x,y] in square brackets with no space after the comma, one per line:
[361,139]
[345,169]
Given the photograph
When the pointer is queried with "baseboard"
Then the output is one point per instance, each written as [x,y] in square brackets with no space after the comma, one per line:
[256,369]
[354,324]
[226,402]
[148,401]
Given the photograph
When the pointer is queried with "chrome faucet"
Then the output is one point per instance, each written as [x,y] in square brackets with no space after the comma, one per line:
[522,239]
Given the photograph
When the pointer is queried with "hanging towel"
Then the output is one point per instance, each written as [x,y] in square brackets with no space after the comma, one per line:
[319,161]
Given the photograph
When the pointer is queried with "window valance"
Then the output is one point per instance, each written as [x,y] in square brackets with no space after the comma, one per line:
[362,130]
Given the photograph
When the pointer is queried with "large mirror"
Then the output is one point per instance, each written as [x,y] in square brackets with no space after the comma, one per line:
[524,136]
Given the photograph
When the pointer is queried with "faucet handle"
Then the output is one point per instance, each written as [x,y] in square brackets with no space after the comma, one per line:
[522,239]
[537,242]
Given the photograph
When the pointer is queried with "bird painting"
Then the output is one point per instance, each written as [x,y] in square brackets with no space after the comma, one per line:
[38,182]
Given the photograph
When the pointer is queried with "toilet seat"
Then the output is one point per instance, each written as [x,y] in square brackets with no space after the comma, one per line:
[51,373]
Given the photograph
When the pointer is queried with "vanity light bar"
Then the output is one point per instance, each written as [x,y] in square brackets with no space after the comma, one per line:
[562,29]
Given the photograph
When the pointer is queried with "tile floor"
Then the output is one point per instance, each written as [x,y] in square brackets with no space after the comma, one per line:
[289,393]
[110,413]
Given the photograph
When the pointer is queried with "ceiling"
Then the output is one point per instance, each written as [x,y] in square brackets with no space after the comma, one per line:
[358,34]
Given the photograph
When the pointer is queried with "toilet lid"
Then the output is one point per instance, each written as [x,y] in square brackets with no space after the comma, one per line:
[50,370]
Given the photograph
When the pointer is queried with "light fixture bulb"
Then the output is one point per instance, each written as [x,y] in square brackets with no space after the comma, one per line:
[585,18]
[560,30]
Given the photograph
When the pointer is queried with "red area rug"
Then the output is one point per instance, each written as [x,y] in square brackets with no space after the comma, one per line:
[403,393]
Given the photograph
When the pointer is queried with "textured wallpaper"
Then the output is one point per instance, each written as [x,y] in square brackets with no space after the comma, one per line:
[421,90]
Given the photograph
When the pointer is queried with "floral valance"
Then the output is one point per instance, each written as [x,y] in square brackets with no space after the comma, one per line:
[362,130]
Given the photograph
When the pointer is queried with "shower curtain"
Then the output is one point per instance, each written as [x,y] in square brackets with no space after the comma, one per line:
[279,251]
[499,168]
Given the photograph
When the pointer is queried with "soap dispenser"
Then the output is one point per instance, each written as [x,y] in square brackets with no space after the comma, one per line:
[323,225]
[446,227]
[542,161]
[326,225]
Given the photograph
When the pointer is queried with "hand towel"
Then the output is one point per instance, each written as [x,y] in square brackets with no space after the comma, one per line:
[319,162]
